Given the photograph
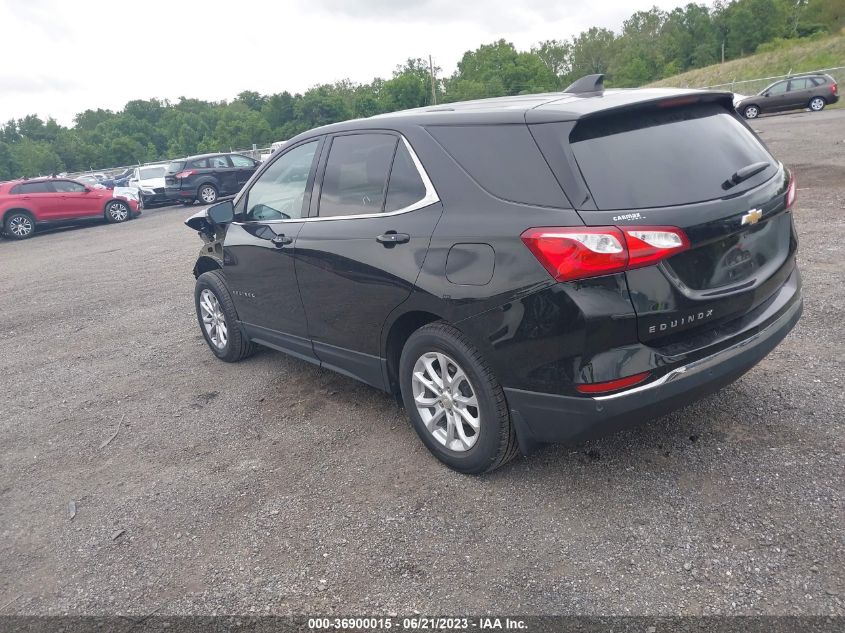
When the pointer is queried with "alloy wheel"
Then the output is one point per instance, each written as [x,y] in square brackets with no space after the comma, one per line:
[817,104]
[446,401]
[118,211]
[20,226]
[751,112]
[213,319]
[208,195]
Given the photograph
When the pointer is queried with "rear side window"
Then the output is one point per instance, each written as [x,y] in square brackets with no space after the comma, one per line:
[176,166]
[504,160]
[200,163]
[33,187]
[218,162]
[665,157]
[356,174]
[406,186]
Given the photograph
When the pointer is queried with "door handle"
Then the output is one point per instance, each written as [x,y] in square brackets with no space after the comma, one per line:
[391,238]
[281,240]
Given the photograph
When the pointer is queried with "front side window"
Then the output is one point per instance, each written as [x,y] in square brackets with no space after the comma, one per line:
[66,186]
[356,174]
[405,186]
[241,161]
[778,88]
[280,191]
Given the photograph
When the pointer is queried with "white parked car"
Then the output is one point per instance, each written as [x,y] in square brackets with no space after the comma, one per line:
[149,180]
[275,147]
[90,181]
[738,97]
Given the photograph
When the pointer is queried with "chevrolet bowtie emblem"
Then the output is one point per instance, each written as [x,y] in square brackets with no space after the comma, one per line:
[752,217]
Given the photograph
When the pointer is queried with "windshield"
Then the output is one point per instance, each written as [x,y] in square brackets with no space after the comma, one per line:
[176,166]
[152,172]
[667,157]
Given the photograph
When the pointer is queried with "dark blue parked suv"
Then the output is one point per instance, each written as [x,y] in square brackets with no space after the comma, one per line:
[207,177]
[530,269]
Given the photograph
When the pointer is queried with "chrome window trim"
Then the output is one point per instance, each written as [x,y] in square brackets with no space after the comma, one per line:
[430,198]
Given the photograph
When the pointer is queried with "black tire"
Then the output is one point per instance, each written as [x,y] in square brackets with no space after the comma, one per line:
[496,443]
[751,111]
[207,194]
[236,346]
[117,211]
[19,225]
[817,104]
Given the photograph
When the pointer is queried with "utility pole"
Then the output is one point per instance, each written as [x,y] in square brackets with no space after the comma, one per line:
[723,51]
[431,72]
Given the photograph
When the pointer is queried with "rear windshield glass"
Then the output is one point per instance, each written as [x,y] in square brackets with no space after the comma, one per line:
[152,172]
[666,157]
[175,166]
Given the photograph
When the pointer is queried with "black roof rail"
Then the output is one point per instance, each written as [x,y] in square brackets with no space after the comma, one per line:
[587,84]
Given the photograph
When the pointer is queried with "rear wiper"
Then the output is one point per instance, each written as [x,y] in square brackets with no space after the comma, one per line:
[744,174]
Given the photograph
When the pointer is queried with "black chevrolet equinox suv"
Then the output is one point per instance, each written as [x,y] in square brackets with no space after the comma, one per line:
[521,270]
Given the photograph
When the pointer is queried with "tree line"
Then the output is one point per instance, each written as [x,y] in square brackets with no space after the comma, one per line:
[651,45]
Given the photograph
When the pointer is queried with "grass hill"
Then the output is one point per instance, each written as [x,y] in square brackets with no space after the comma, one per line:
[777,58]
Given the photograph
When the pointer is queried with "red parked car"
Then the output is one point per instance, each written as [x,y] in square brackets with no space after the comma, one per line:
[26,204]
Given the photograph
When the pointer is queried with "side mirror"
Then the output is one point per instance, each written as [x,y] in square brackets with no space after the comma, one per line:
[767,94]
[222,213]
[87,189]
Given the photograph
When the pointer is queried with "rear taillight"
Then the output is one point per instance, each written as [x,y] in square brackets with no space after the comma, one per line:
[834,88]
[790,192]
[648,245]
[185,174]
[578,253]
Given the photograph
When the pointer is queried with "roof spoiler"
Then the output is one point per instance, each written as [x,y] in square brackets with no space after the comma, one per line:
[587,84]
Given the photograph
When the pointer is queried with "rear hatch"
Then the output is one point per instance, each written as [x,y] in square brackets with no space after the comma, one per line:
[173,168]
[696,166]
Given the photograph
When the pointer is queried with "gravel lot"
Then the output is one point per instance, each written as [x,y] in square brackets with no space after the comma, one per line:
[274,487]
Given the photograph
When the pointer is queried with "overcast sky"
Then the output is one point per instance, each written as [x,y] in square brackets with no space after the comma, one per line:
[61,57]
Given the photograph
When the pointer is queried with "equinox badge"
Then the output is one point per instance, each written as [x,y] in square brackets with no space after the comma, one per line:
[752,217]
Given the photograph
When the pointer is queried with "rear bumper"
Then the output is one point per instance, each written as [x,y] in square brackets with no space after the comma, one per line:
[543,417]
[176,193]
[153,198]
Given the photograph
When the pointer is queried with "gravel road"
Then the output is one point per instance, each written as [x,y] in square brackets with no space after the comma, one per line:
[271,486]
